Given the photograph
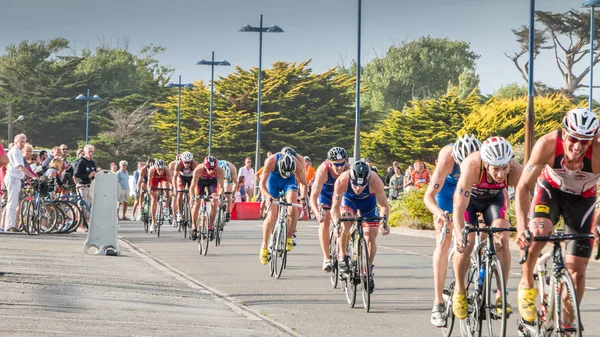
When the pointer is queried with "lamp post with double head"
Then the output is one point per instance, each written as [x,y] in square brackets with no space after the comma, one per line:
[212,65]
[591,4]
[179,86]
[88,98]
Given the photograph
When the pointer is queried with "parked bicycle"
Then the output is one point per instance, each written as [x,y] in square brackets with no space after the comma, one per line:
[360,265]
[557,294]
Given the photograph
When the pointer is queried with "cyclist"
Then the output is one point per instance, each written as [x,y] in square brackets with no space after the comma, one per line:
[359,190]
[481,188]
[160,176]
[566,165]
[182,178]
[207,180]
[142,184]
[322,192]
[438,199]
[230,184]
[279,176]
[172,201]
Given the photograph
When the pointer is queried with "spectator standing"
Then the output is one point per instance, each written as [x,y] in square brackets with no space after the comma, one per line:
[390,172]
[42,156]
[248,172]
[123,177]
[114,168]
[85,171]
[56,151]
[136,178]
[408,181]
[240,190]
[420,175]
[15,173]
[396,183]
[27,152]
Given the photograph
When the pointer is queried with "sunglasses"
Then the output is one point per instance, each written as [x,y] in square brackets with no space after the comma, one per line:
[64,149]
[575,140]
[339,164]
[187,162]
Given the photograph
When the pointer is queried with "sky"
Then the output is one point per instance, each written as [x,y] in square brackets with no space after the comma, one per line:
[322,30]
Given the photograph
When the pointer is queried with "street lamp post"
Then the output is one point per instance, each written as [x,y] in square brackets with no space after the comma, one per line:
[10,121]
[87,98]
[529,118]
[212,65]
[357,119]
[179,86]
[260,29]
[591,4]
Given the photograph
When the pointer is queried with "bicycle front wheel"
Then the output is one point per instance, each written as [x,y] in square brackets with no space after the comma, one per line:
[566,307]
[203,239]
[495,290]
[349,283]
[217,229]
[333,257]
[280,245]
[364,269]
[471,326]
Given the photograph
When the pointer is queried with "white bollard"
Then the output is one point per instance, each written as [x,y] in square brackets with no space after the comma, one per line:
[102,232]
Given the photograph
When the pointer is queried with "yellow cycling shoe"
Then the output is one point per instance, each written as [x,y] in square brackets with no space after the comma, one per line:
[509,310]
[460,307]
[289,245]
[264,256]
[526,301]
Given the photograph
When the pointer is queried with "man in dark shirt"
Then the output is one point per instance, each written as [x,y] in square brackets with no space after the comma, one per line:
[85,171]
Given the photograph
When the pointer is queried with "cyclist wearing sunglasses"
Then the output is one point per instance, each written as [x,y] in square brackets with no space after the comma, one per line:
[359,191]
[484,178]
[438,199]
[322,192]
[566,166]
[282,174]
[207,180]
[182,178]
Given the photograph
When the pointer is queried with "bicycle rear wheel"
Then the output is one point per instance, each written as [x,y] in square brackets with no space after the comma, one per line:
[203,239]
[495,313]
[566,306]
[333,257]
[280,245]
[159,220]
[364,269]
[217,229]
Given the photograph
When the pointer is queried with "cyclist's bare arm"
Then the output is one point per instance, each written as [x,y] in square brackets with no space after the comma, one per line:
[444,167]
[541,154]
[269,167]
[176,175]
[234,174]
[341,186]
[143,173]
[221,179]
[320,179]
[470,171]
[376,187]
[194,182]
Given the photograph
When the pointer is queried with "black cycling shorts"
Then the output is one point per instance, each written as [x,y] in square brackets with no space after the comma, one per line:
[207,184]
[577,212]
[491,208]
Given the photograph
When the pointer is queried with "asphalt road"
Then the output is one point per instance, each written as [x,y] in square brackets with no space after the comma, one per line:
[303,301]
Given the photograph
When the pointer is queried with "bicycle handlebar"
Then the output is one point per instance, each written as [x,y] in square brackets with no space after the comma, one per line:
[285,203]
[488,230]
[554,238]
[361,219]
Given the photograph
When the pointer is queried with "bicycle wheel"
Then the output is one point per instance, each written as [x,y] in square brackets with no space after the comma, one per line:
[333,257]
[280,245]
[48,216]
[447,294]
[364,269]
[494,285]
[221,225]
[31,218]
[350,284]
[471,326]
[203,240]
[159,220]
[185,218]
[566,306]
[23,214]
[72,216]
[217,229]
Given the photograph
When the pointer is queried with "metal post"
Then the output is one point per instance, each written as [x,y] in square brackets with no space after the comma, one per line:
[257,158]
[10,122]
[529,118]
[357,123]
[592,17]
[178,113]
[87,117]
[212,88]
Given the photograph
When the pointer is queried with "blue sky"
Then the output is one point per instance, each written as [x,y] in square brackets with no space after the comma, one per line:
[324,30]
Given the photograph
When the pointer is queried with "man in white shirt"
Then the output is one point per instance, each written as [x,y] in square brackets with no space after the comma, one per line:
[248,172]
[16,171]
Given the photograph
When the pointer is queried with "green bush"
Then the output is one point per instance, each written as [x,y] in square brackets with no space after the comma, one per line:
[409,211]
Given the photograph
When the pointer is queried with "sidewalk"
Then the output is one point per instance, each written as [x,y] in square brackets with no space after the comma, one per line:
[50,287]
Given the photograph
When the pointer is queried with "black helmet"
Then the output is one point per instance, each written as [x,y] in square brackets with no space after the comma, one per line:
[289,151]
[150,163]
[360,173]
[337,153]
[286,166]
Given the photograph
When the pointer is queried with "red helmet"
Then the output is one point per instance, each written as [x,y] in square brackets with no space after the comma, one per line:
[210,162]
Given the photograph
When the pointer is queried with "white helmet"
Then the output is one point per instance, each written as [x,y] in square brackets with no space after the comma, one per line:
[496,151]
[581,121]
[464,146]
[187,156]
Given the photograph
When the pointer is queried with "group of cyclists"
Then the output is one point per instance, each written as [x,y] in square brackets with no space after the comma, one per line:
[470,183]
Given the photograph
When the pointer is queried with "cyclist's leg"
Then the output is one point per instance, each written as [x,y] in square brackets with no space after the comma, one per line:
[441,251]
[325,204]
[153,202]
[496,215]
[213,191]
[196,208]
[461,261]
[168,195]
[274,185]
[577,252]
[348,210]
[291,195]
[229,189]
